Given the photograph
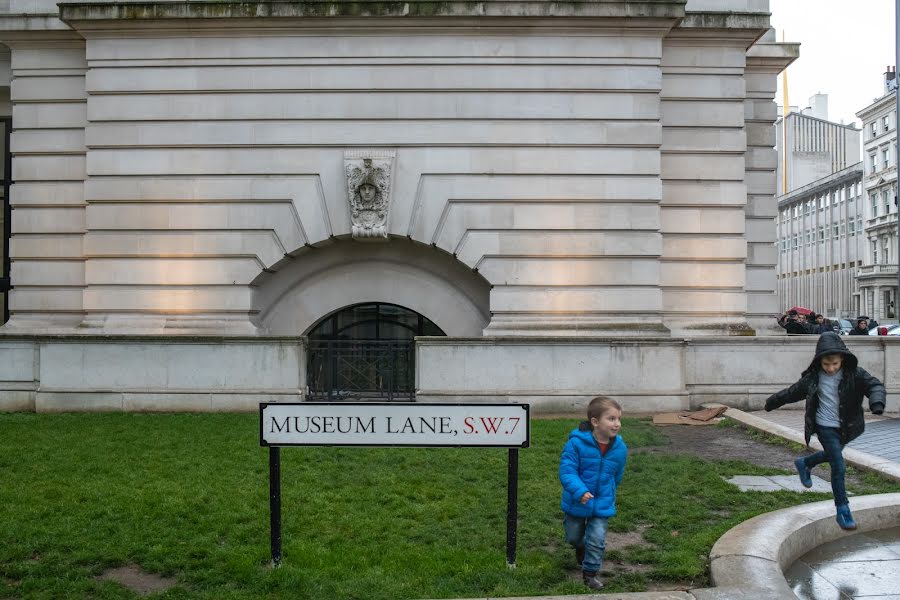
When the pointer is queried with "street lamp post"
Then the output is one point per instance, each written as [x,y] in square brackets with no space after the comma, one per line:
[897,144]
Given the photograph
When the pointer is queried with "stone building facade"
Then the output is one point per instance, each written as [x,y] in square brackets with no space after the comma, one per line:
[878,276]
[569,192]
[815,149]
[821,244]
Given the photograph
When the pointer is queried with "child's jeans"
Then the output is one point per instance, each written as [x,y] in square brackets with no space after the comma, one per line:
[830,438]
[589,534]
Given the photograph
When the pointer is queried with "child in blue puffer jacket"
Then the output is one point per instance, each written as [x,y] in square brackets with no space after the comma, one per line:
[590,469]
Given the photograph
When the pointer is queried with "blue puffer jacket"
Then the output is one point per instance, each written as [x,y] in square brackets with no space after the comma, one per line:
[583,469]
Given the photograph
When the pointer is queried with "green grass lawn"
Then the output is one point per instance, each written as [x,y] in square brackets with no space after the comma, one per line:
[186,496]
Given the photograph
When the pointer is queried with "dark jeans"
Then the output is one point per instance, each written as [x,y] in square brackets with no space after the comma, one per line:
[830,438]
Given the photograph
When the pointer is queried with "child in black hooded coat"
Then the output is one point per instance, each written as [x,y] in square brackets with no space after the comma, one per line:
[833,386]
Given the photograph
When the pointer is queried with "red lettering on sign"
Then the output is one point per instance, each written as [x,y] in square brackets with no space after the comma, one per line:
[491,424]
[469,426]
[516,424]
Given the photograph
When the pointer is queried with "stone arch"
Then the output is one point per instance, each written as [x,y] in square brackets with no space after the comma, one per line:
[340,273]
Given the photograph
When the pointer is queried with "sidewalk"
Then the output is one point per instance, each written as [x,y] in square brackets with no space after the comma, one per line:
[881,438]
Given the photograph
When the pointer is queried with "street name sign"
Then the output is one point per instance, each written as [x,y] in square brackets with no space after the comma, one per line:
[394,425]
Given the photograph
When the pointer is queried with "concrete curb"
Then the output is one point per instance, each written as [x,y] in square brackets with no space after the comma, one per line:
[748,561]
[857,458]
[752,556]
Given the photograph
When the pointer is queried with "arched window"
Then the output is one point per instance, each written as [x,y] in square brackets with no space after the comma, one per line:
[366,352]
[373,321]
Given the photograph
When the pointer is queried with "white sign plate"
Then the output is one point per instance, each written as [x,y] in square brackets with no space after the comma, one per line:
[371,424]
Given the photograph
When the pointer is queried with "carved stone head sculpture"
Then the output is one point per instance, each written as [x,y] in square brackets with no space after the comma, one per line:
[368,186]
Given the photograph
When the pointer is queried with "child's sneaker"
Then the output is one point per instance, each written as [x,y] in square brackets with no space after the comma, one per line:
[591,580]
[803,471]
[844,518]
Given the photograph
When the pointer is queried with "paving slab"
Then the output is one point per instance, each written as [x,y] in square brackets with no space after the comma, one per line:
[778,483]
[754,483]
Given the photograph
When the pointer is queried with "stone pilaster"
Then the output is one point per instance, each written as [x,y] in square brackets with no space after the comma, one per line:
[703,175]
[48,209]
[765,60]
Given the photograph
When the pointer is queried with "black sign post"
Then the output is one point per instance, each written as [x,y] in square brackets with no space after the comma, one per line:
[394,425]
[275,503]
[512,506]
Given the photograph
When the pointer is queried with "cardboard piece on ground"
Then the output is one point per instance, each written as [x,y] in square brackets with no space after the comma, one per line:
[709,416]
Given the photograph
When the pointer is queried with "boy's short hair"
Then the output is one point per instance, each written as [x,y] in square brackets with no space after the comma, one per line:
[600,405]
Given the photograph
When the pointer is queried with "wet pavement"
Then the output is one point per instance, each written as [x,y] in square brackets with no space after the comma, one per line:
[865,565]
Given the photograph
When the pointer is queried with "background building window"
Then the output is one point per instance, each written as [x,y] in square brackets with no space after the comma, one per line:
[886,199]
[873,198]
[873,129]
[873,163]
[886,123]
[885,158]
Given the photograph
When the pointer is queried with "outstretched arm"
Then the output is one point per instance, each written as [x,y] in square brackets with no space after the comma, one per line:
[786,396]
[873,389]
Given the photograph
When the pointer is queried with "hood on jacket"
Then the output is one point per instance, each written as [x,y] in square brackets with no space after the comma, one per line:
[585,432]
[831,343]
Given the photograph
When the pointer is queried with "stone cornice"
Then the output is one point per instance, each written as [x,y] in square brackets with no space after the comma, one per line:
[33,27]
[887,101]
[851,173]
[73,12]
[108,338]
[720,28]
[772,57]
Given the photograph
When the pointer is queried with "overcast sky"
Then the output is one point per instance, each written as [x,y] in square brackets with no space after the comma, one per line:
[845,46]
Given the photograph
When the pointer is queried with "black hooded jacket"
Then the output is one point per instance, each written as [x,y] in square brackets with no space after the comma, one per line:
[855,383]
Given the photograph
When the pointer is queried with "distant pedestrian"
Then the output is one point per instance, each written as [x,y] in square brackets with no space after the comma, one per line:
[820,324]
[791,323]
[590,470]
[862,326]
[833,386]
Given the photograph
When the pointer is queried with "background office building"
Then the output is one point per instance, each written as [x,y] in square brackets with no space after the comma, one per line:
[821,244]
[820,214]
[877,277]
[816,147]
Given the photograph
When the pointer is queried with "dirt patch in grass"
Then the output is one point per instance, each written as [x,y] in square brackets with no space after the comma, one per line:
[620,541]
[137,580]
[722,443]
[732,443]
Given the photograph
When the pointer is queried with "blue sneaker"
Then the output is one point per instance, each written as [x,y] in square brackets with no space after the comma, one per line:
[844,518]
[803,471]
